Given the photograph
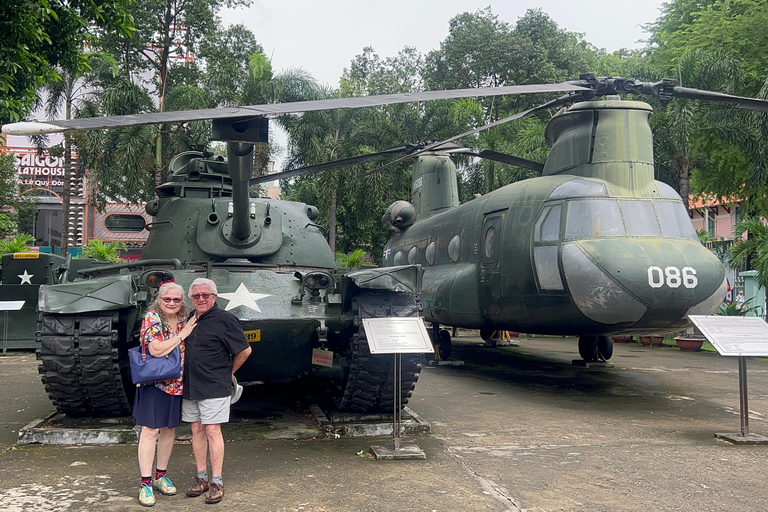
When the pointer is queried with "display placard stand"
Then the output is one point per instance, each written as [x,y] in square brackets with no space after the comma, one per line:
[397,336]
[741,337]
[5,307]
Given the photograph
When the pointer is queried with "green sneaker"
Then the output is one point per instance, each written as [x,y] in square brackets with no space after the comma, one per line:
[147,496]
[165,486]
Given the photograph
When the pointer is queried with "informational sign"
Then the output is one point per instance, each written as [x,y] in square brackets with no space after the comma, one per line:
[395,335]
[734,335]
[11,305]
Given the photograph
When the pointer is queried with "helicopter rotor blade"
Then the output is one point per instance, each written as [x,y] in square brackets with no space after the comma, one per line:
[311,169]
[437,146]
[252,111]
[508,159]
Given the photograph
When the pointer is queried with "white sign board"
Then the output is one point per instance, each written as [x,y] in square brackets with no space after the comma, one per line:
[395,335]
[734,335]
[11,305]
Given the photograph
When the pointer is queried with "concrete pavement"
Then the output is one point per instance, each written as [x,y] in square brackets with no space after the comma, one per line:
[515,428]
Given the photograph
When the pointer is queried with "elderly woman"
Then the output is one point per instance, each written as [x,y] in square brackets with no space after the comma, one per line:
[157,407]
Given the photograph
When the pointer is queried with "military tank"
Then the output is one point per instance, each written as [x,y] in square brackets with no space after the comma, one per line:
[274,270]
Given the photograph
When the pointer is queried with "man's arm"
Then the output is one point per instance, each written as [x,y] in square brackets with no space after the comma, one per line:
[239,359]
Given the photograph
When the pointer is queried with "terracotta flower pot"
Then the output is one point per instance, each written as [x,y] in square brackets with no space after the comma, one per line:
[651,341]
[689,344]
[622,339]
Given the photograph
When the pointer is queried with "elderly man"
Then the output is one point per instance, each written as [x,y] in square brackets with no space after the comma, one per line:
[214,351]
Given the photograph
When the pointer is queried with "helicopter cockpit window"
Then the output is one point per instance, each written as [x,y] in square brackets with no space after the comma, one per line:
[667,192]
[548,225]
[399,258]
[674,220]
[579,188]
[594,218]
[453,248]
[639,218]
[412,256]
[431,252]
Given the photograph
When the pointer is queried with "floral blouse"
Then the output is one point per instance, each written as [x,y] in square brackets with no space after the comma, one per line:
[153,328]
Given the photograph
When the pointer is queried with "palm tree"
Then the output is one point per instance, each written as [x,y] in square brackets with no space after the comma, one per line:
[677,124]
[751,237]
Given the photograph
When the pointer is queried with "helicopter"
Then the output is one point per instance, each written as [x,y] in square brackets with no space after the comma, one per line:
[514,257]
[594,247]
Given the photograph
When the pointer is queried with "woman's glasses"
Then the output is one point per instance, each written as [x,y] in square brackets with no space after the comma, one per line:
[168,300]
[204,296]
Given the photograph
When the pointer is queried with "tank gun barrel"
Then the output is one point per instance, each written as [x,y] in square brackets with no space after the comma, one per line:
[240,156]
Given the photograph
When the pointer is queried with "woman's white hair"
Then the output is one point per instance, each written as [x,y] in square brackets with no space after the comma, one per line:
[162,292]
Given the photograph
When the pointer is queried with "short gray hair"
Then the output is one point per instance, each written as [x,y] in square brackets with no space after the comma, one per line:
[203,281]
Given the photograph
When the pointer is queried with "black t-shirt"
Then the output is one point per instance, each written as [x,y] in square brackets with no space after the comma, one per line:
[217,337]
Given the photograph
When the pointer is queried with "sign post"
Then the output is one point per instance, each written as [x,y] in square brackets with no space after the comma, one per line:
[397,336]
[5,307]
[741,337]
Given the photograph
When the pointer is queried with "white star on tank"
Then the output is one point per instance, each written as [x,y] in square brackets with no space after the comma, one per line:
[242,297]
[26,278]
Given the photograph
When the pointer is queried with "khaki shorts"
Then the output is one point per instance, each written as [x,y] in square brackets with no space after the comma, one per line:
[210,411]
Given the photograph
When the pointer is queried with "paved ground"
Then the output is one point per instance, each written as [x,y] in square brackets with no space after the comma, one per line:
[514,429]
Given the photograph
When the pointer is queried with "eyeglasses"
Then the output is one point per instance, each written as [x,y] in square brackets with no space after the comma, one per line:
[168,300]
[204,296]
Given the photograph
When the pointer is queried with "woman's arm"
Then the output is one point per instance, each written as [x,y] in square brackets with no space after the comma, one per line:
[159,347]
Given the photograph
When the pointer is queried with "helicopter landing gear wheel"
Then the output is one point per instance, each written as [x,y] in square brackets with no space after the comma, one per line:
[595,348]
[444,345]
[487,336]
[604,348]
[588,348]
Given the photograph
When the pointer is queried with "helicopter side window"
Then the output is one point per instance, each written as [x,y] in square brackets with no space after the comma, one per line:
[639,218]
[490,242]
[594,218]
[548,225]
[399,258]
[431,252]
[412,256]
[674,220]
[579,188]
[453,248]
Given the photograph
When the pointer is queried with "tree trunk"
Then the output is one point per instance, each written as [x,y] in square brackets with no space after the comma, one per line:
[332,220]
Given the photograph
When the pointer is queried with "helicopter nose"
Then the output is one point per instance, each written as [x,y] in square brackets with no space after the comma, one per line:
[644,283]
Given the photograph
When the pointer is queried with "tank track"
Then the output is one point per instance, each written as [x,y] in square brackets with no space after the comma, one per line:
[369,386]
[80,366]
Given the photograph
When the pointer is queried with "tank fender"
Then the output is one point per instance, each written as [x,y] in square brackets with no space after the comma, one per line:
[101,294]
[405,278]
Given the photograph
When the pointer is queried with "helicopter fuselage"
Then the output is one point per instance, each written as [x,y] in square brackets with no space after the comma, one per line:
[595,246]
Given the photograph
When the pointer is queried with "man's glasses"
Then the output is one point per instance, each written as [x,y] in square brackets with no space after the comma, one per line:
[168,300]
[204,296]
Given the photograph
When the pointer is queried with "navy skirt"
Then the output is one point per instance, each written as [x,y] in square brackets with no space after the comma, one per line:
[154,408]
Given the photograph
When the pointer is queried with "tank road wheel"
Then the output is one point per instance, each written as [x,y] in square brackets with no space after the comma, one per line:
[604,348]
[588,348]
[444,344]
[80,366]
[369,383]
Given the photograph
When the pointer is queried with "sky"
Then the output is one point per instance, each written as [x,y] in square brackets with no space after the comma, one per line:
[323,37]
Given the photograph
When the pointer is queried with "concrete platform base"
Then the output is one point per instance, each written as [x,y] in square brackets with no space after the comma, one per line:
[405,452]
[57,429]
[346,424]
[445,363]
[591,364]
[737,438]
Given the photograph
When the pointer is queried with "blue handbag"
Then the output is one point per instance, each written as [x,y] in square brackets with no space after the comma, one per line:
[148,368]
